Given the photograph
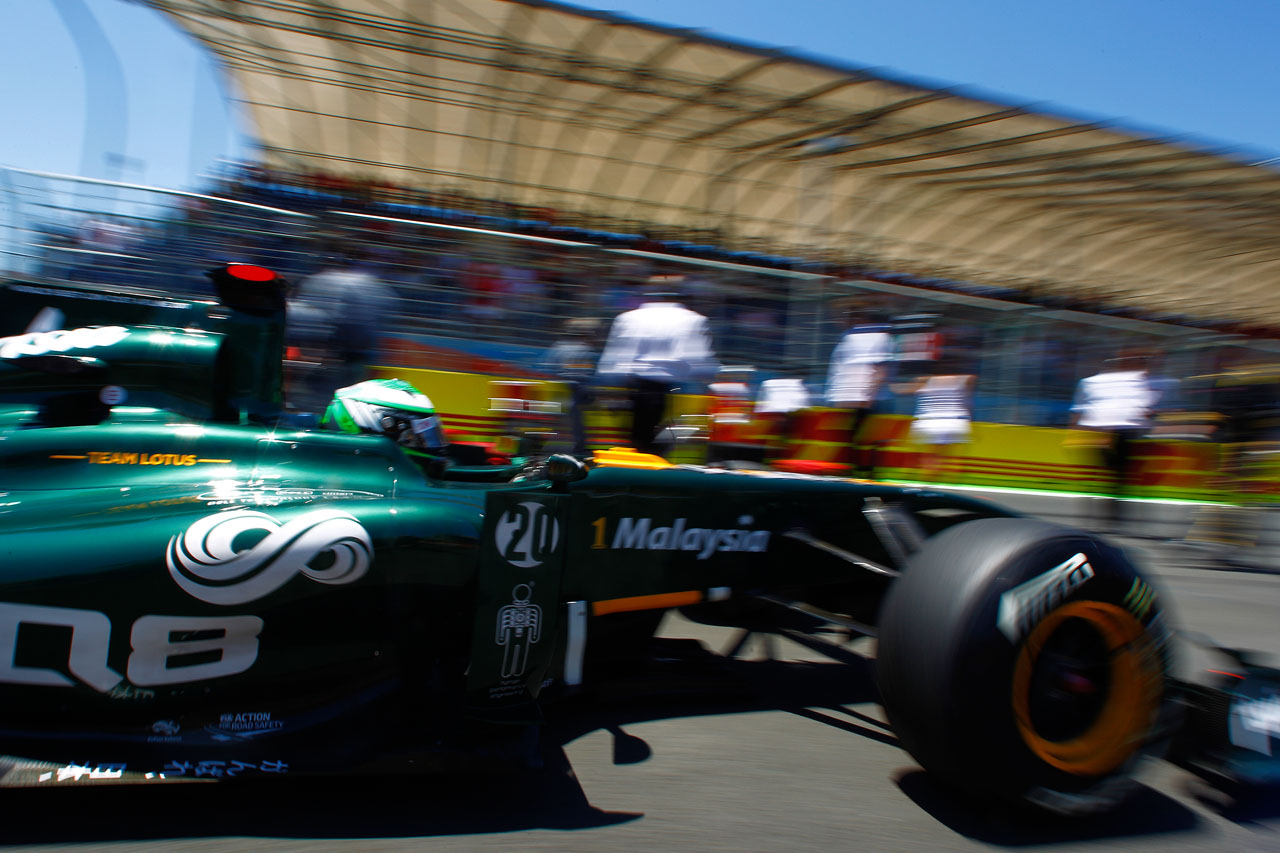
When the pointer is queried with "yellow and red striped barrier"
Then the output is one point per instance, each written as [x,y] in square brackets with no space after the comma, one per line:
[1004,455]
[817,443]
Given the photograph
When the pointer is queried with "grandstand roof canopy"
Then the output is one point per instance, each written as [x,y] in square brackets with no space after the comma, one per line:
[548,105]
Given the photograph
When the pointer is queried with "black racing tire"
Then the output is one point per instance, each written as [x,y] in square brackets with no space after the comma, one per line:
[1026,660]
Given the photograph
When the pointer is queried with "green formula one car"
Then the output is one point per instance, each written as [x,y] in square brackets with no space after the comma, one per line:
[192,588]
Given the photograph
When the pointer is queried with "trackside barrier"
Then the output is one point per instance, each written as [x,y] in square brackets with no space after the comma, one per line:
[1045,458]
[526,415]
[818,443]
[730,410]
[734,430]
[998,455]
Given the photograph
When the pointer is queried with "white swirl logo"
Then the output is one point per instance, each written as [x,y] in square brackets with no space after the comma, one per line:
[39,343]
[205,563]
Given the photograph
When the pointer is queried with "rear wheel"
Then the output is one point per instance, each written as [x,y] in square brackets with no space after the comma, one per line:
[1028,660]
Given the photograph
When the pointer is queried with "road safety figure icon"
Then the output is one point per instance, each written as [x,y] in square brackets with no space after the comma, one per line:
[519,627]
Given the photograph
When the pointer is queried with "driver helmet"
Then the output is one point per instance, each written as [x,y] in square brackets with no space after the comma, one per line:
[390,407]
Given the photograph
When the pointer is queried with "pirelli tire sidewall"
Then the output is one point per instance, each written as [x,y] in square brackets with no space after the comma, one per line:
[948,673]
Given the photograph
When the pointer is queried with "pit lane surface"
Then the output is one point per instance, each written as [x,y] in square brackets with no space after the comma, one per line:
[786,754]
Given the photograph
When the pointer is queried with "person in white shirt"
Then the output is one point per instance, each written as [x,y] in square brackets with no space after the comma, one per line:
[784,395]
[943,412]
[654,349]
[1116,403]
[859,368]
[335,319]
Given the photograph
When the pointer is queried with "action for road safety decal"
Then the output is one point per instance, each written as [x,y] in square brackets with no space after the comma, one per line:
[519,627]
[640,534]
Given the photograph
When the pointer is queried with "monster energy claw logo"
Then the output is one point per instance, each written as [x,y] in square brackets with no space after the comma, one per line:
[206,562]
[527,534]
[1139,598]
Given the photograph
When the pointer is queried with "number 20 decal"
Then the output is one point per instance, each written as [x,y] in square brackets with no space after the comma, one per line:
[527,534]
[153,643]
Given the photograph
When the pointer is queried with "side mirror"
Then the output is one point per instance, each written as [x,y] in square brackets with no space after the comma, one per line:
[562,469]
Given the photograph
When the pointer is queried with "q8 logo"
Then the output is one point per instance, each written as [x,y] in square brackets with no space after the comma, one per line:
[527,534]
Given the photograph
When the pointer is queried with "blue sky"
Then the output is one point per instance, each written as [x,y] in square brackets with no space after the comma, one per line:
[158,113]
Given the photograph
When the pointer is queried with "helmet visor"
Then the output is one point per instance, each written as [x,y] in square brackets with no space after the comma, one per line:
[411,430]
[429,432]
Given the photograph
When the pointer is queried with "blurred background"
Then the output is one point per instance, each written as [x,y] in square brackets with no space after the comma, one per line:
[514,173]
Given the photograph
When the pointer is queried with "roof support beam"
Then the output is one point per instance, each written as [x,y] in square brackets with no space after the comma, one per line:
[547,105]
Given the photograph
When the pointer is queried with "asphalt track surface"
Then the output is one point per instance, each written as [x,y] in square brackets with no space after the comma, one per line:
[779,749]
